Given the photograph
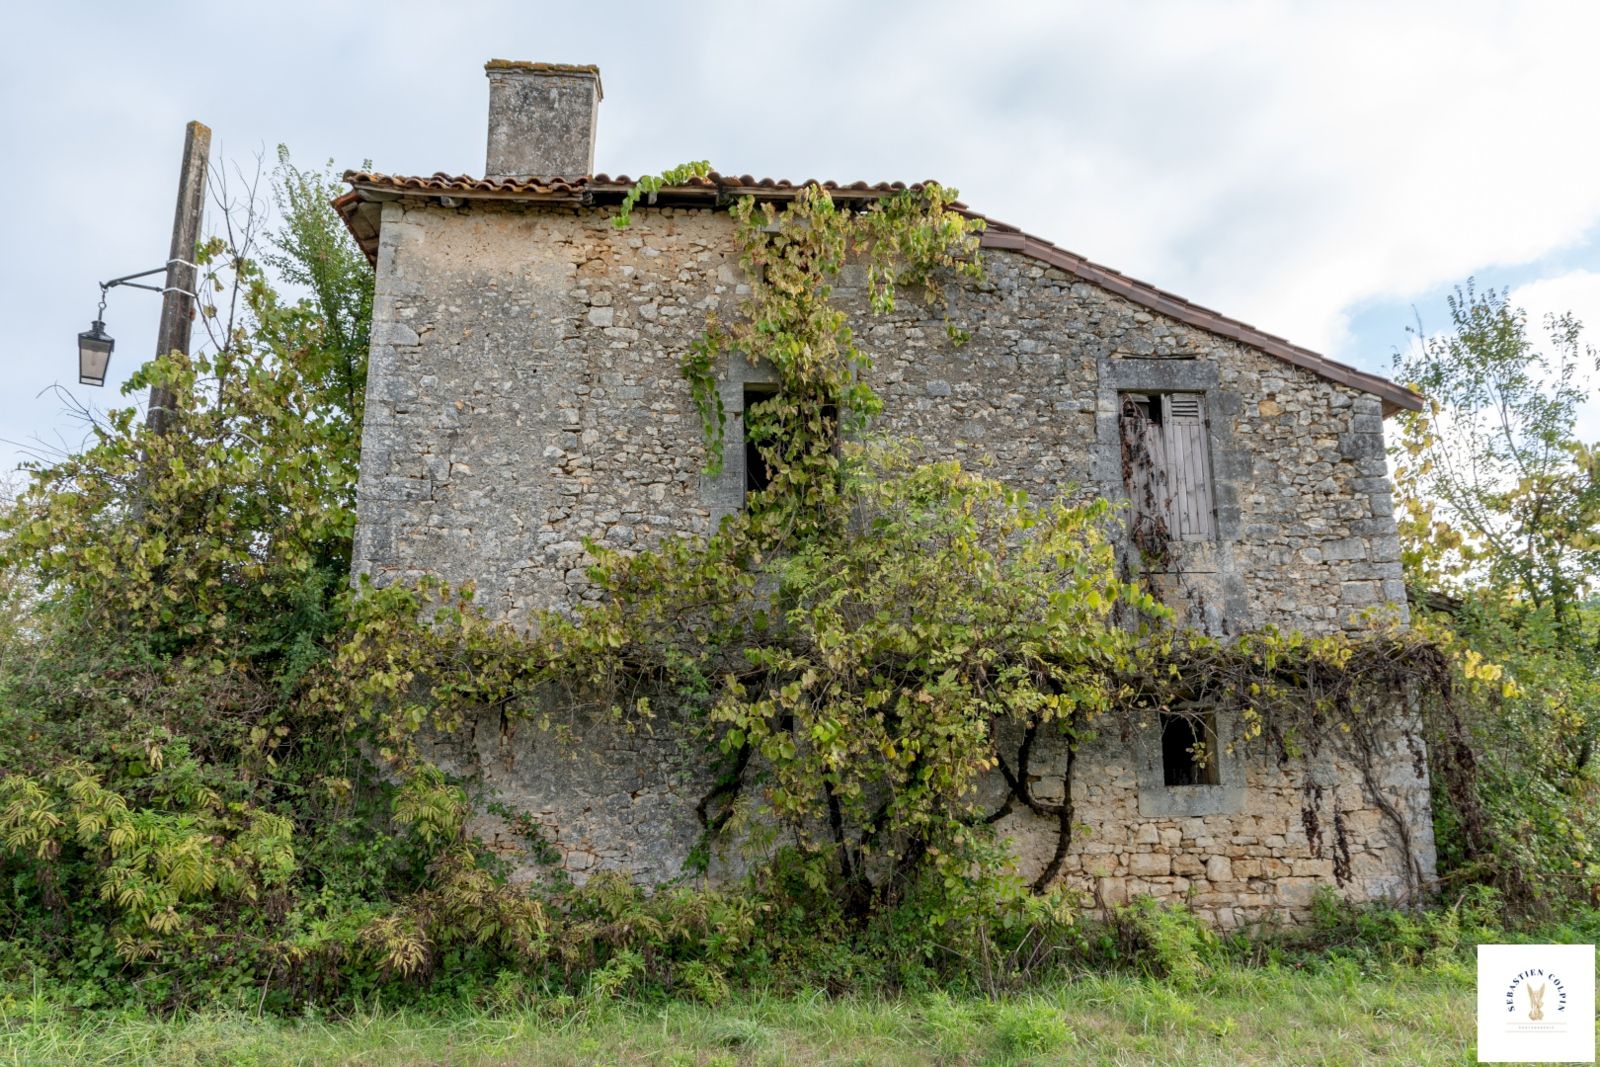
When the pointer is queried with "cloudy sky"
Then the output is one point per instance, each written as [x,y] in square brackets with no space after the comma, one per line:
[1318,170]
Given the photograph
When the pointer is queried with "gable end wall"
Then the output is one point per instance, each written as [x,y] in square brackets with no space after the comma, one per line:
[524,394]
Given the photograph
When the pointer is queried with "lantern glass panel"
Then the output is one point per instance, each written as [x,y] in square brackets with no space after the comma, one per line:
[94,355]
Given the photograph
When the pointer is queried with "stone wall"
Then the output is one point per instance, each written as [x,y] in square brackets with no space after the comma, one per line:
[524,394]
[1255,846]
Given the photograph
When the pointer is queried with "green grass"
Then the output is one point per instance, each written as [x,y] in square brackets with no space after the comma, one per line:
[1243,1016]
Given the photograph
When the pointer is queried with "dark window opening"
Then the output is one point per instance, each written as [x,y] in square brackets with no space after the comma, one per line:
[757,474]
[1145,407]
[1167,466]
[1189,750]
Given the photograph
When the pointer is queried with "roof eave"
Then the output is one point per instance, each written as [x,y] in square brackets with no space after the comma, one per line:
[1395,397]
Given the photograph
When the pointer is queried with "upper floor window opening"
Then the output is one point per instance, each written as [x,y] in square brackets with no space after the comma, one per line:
[758,473]
[1166,462]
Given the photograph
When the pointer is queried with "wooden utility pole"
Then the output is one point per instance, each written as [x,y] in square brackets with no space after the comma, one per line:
[177,306]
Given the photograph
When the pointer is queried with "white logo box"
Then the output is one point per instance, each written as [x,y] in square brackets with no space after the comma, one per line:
[1535,1003]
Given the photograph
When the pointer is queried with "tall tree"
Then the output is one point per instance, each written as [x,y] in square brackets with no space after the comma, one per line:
[1496,488]
[1499,507]
[229,535]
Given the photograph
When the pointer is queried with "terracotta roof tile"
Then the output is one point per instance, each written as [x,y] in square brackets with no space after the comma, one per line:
[460,183]
[717,188]
[538,186]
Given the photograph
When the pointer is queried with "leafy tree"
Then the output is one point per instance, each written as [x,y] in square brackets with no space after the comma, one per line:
[168,593]
[1495,485]
[1499,508]
[228,535]
[312,250]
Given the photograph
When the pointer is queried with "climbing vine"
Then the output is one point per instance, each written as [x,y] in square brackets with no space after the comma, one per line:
[1146,482]
[857,686]
[193,707]
[1353,696]
[647,187]
[870,638]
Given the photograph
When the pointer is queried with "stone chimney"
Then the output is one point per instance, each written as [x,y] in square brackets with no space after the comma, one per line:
[541,119]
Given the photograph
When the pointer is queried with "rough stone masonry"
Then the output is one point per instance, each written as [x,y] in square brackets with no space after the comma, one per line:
[524,394]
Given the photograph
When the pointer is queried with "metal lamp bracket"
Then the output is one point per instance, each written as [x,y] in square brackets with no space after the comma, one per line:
[128,280]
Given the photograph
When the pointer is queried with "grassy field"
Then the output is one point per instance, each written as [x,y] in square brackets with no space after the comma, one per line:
[1241,1017]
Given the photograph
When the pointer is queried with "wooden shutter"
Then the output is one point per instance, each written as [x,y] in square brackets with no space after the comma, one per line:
[1186,461]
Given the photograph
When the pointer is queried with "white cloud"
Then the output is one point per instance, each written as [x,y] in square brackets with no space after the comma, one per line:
[1282,163]
[1577,292]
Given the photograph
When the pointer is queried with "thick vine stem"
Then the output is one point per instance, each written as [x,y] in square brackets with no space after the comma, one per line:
[1052,869]
[726,788]
[1021,789]
[1366,758]
[1006,808]
[1019,783]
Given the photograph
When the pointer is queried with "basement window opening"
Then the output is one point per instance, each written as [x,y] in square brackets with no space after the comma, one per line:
[1189,750]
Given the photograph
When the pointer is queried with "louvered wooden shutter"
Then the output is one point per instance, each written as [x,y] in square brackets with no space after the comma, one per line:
[1186,460]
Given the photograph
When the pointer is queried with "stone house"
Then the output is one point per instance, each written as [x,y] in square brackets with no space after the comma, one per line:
[524,393]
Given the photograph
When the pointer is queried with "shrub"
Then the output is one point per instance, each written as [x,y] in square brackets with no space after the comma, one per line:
[1162,940]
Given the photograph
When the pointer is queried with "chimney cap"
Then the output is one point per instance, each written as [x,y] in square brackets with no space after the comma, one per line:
[523,66]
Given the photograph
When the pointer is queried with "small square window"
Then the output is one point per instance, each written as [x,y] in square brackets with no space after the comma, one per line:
[1189,750]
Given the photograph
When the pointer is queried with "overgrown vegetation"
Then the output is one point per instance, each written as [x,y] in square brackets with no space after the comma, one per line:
[1242,1017]
[1500,528]
[214,782]
[173,811]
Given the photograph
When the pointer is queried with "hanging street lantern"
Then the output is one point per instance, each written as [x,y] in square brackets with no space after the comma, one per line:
[94,344]
[94,354]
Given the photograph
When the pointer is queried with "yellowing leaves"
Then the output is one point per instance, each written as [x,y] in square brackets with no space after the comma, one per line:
[1475,667]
